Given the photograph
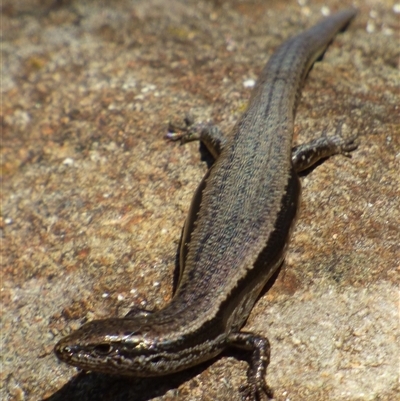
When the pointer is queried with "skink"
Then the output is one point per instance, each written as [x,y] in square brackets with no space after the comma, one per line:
[234,239]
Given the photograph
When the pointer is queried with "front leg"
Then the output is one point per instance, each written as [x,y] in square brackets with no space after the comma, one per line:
[207,133]
[256,388]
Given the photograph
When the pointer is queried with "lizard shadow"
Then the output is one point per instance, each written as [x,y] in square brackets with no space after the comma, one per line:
[101,387]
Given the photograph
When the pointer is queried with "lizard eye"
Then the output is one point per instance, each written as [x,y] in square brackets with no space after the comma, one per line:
[103,349]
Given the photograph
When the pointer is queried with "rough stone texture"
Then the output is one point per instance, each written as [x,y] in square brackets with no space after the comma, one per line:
[93,198]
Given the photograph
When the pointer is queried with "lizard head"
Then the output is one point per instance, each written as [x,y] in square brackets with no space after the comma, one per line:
[130,346]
